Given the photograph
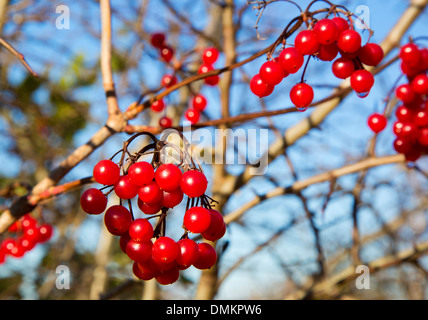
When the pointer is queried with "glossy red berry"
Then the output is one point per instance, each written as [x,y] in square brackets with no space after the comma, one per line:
[32,234]
[290,59]
[158,106]
[328,52]
[377,122]
[123,241]
[170,199]
[143,270]
[125,189]
[405,93]
[349,41]
[343,68]
[168,176]
[141,173]
[217,227]
[306,42]
[192,115]
[148,208]
[421,118]
[150,193]
[207,256]
[189,253]
[139,251]
[402,145]
[168,80]
[140,230]
[193,183]
[168,276]
[167,53]
[301,95]
[157,40]
[362,81]
[371,54]
[117,220]
[165,250]
[93,201]
[326,31]
[106,172]
[212,80]
[271,73]
[423,137]
[341,24]
[165,122]
[404,114]
[419,84]
[410,54]
[259,87]
[197,219]
[210,55]
[199,102]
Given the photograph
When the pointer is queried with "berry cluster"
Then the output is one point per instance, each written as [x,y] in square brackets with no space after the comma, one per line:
[198,101]
[157,187]
[411,127]
[325,39]
[28,233]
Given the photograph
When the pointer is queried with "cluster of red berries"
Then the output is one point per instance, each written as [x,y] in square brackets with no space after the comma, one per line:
[325,40]
[198,101]
[28,233]
[411,127]
[157,189]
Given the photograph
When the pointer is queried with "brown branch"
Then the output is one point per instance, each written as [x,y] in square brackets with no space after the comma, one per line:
[19,56]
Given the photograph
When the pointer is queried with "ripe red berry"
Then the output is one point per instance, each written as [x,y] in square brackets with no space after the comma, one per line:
[168,176]
[406,130]
[326,31]
[349,41]
[341,24]
[402,145]
[141,173]
[117,220]
[328,52]
[140,230]
[290,59]
[210,55]
[410,54]
[259,87]
[301,95]
[306,42]
[207,256]
[371,54]
[157,40]
[123,241]
[419,84]
[212,80]
[168,276]
[106,172]
[165,250]
[165,122]
[403,113]
[271,73]
[193,183]
[158,106]
[150,193]
[405,93]
[217,227]
[93,201]
[192,115]
[197,219]
[377,122]
[168,80]
[343,68]
[421,118]
[170,199]
[189,253]
[143,270]
[199,102]
[362,81]
[32,234]
[139,251]
[149,208]
[125,189]
[167,53]
[423,137]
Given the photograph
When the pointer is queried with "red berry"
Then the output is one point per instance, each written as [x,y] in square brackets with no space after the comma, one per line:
[139,251]
[377,122]
[343,68]
[26,244]
[197,219]
[403,114]
[326,31]
[420,84]
[141,173]
[217,227]
[167,53]
[328,52]
[405,93]
[423,137]
[168,276]
[106,172]
[149,208]
[271,73]
[117,220]
[150,193]
[123,241]
[125,189]
[207,256]
[212,80]
[349,41]
[157,40]
[165,122]
[302,95]
[142,272]
[306,42]
[210,55]
[409,70]
[165,250]
[168,176]
[192,116]
[170,199]
[168,80]
[406,130]
[410,54]
[158,106]
[259,87]
[341,24]
[189,253]
[362,81]
[424,59]
[45,232]
[290,59]
[193,183]
[421,118]
[32,234]
[140,230]
[371,54]
[199,102]
[402,145]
